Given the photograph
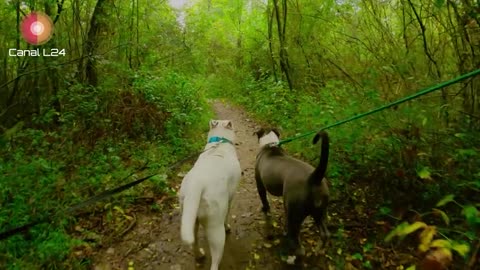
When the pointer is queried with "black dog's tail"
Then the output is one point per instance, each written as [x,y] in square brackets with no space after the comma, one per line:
[319,172]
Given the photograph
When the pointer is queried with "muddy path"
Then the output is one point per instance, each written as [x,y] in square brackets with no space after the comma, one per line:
[154,242]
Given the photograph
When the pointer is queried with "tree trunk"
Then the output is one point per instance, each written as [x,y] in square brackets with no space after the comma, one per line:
[98,25]
[281,27]
[270,41]
[54,77]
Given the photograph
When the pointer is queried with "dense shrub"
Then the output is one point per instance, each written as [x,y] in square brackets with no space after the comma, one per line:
[102,136]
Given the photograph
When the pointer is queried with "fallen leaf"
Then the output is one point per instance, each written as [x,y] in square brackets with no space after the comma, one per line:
[437,259]
[78,253]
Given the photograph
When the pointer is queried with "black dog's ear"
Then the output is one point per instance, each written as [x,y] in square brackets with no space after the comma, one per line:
[259,132]
[275,130]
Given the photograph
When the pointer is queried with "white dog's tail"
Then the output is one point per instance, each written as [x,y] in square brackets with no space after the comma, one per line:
[189,214]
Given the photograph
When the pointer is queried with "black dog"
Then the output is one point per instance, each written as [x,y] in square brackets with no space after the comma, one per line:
[301,185]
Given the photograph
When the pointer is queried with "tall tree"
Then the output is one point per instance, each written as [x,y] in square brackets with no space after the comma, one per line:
[99,27]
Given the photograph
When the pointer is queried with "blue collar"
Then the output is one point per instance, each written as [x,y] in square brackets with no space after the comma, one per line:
[219,139]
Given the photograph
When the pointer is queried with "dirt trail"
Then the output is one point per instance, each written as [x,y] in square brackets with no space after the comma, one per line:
[155,242]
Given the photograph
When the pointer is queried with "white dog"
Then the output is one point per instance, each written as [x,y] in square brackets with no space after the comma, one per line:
[208,189]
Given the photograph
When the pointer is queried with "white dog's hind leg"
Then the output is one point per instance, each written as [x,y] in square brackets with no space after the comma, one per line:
[228,229]
[199,252]
[190,206]
[216,240]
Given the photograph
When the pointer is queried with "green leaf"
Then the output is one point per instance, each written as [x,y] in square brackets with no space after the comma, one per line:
[385,210]
[467,152]
[445,200]
[426,238]
[441,243]
[439,3]
[395,231]
[471,235]
[461,249]
[424,122]
[9,133]
[367,247]
[412,267]
[413,227]
[424,173]
[367,265]
[444,216]
[405,229]
[357,256]
[472,216]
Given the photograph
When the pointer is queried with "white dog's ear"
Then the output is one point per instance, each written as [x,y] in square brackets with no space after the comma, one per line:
[275,130]
[259,132]
[229,125]
[213,123]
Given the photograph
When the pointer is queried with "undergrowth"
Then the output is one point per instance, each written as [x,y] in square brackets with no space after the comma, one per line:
[102,136]
[402,160]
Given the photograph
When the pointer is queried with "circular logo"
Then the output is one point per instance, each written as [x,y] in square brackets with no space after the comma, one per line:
[36,28]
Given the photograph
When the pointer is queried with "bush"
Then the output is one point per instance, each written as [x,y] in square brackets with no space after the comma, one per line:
[102,136]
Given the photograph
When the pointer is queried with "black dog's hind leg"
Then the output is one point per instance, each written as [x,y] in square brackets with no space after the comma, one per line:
[294,219]
[320,221]
[262,192]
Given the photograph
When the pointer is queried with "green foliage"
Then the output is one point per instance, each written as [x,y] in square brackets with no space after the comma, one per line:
[453,239]
[68,141]
[44,169]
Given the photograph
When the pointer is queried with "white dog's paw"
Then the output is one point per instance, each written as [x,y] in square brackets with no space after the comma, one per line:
[228,229]
[200,255]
